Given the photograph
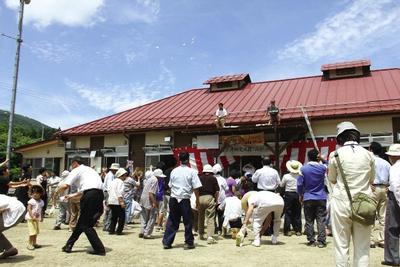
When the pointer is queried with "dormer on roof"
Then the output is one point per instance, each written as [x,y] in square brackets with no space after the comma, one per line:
[228,82]
[346,69]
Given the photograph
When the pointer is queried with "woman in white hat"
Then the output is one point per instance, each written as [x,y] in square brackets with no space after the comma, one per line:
[292,204]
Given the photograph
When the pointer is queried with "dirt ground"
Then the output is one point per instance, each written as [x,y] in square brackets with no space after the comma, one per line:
[129,250]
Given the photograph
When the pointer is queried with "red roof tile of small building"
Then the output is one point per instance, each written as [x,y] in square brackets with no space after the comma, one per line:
[378,93]
[227,78]
[347,64]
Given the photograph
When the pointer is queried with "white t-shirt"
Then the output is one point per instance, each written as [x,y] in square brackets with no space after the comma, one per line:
[266,178]
[265,199]
[223,186]
[221,113]
[108,180]
[13,210]
[116,191]
[233,209]
[37,206]
[182,182]
[84,178]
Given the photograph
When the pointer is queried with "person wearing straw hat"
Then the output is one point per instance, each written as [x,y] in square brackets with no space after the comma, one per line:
[392,223]
[292,204]
[106,188]
[209,192]
[260,206]
[358,165]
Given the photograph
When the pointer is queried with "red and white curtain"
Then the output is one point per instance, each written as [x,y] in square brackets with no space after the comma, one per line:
[294,151]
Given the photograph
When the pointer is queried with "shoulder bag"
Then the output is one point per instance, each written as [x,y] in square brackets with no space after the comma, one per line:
[363,207]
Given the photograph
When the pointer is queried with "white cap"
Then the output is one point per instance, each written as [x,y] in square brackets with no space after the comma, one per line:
[344,126]
[208,168]
[217,168]
[158,173]
[120,172]
[394,150]
[114,166]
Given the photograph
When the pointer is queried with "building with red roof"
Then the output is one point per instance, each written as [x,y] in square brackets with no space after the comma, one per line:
[151,132]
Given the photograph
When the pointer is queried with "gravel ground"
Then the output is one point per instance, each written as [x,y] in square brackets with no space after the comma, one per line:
[129,250]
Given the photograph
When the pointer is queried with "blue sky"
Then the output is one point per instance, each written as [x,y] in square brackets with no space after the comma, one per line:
[82,60]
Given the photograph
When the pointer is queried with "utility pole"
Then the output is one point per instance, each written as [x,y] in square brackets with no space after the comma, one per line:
[15,78]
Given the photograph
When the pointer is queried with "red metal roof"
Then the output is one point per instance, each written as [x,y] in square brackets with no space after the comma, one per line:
[347,64]
[227,78]
[378,93]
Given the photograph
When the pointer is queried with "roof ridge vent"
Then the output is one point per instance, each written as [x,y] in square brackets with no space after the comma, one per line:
[228,82]
[347,69]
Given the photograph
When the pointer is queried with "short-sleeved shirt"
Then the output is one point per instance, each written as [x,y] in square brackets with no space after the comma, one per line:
[382,169]
[223,186]
[151,186]
[116,191]
[13,210]
[209,185]
[37,206]
[289,182]
[84,178]
[129,187]
[182,182]
[266,178]
[107,180]
[265,199]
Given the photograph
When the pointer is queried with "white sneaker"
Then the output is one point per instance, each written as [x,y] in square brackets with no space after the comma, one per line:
[239,239]
[274,240]
[256,243]
[211,240]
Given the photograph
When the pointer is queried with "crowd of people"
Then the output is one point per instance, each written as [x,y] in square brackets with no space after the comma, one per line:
[210,205]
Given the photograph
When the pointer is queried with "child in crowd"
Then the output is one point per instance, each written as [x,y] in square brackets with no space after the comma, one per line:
[34,215]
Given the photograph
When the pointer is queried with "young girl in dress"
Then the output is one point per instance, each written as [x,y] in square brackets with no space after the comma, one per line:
[34,215]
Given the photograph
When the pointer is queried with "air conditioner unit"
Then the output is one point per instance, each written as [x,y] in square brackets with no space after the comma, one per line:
[70,144]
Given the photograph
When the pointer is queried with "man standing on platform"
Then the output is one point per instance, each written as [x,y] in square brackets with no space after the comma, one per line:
[183,182]
[90,187]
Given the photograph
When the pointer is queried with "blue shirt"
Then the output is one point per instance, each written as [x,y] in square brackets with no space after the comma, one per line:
[382,168]
[182,182]
[311,182]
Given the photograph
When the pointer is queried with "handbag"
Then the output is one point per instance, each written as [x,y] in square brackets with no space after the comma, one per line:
[363,207]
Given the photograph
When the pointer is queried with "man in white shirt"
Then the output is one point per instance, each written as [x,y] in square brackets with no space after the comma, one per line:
[379,190]
[110,176]
[221,114]
[260,206]
[266,178]
[90,187]
[183,181]
[12,212]
[392,224]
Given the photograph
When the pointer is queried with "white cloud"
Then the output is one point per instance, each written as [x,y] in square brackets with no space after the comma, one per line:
[125,12]
[52,52]
[120,97]
[362,28]
[43,13]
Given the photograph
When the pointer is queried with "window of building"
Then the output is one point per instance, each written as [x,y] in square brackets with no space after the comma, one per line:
[345,71]
[96,142]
